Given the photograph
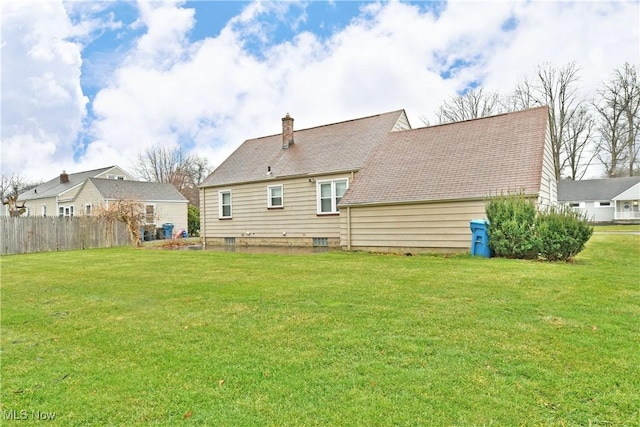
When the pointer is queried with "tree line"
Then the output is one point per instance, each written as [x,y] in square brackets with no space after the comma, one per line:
[582,131]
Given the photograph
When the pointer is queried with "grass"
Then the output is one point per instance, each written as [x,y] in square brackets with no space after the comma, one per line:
[618,228]
[158,337]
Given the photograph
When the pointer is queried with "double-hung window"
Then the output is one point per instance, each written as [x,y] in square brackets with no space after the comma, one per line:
[329,194]
[224,203]
[275,197]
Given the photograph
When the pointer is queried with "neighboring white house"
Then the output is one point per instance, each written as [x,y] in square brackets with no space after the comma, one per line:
[603,200]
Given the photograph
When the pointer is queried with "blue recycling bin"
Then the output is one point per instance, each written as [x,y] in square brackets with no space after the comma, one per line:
[168,230]
[480,238]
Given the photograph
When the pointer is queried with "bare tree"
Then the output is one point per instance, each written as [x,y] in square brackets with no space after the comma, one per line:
[172,165]
[618,112]
[578,142]
[10,189]
[130,212]
[557,88]
[472,104]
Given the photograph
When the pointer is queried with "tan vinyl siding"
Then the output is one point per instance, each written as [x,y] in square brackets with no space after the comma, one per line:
[173,212]
[88,194]
[548,194]
[252,218]
[116,171]
[441,226]
[35,206]
[402,123]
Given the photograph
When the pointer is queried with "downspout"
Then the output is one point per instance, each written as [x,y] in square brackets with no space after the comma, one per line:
[349,228]
[353,175]
[203,222]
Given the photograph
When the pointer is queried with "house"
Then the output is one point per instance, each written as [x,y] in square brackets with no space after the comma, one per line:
[374,183]
[79,194]
[603,200]
[55,197]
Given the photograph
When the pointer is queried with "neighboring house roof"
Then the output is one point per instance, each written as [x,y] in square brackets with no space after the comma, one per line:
[54,187]
[594,189]
[113,189]
[324,149]
[470,159]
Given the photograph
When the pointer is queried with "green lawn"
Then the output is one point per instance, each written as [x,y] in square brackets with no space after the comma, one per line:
[147,336]
[618,228]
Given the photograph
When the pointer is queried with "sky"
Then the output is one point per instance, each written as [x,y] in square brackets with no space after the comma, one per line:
[92,84]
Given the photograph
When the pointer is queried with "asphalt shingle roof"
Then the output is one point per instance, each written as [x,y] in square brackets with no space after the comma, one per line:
[136,190]
[53,187]
[594,189]
[331,148]
[470,159]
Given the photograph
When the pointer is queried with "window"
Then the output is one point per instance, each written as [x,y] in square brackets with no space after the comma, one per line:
[119,177]
[65,211]
[320,241]
[329,194]
[150,214]
[87,210]
[224,201]
[274,196]
[44,210]
[577,205]
[602,204]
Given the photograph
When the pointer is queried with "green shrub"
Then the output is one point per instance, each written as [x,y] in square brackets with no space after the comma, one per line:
[562,233]
[518,230]
[193,221]
[512,226]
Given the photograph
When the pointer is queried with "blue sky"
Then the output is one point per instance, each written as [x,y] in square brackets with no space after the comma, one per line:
[91,84]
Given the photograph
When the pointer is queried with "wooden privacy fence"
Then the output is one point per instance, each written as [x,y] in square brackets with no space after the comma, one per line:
[43,234]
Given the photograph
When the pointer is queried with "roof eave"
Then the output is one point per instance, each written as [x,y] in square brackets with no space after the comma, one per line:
[422,202]
[279,177]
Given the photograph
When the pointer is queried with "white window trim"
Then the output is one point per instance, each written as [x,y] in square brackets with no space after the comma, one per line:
[597,204]
[334,207]
[270,198]
[220,194]
[154,213]
[580,205]
[44,210]
[90,206]
[67,211]
[119,177]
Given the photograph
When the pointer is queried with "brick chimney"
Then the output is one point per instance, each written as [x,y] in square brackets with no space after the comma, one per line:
[287,131]
[64,178]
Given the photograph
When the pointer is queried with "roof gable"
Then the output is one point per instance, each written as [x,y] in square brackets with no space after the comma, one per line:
[54,187]
[470,159]
[330,148]
[594,189]
[632,193]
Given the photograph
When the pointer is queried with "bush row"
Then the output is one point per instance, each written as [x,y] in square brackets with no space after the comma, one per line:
[518,230]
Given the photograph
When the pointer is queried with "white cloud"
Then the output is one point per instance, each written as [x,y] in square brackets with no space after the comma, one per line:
[212,94]
[42,101]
